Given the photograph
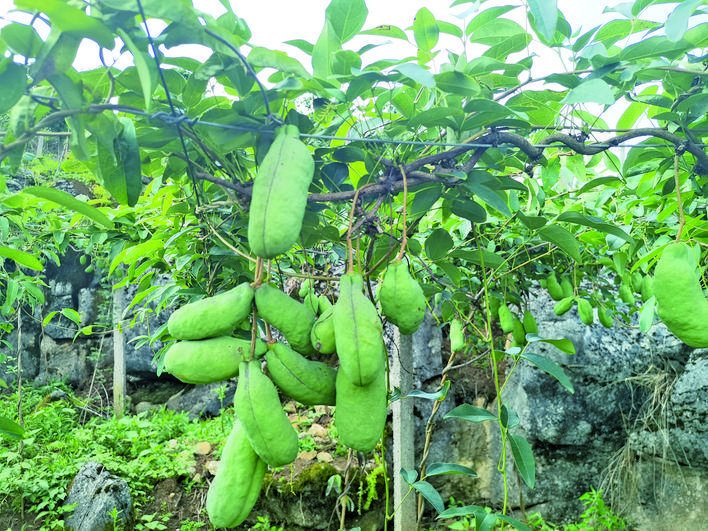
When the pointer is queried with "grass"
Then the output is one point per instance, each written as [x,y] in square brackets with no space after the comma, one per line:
[143,449]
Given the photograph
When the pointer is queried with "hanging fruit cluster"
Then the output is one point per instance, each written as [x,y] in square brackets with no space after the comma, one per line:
[206,352]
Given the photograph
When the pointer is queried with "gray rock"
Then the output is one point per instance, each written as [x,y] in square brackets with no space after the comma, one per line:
[201,401]
[66,360]
[97,493]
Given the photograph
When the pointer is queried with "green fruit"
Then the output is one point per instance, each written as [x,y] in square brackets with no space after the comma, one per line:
[625,293]
[506,319]
[322,333]
[258,408]
[292,318]
[647,288]
[238,481]
[360,414]
[280,194]
[457,336]
[605,317]
[211,360]
[212,316]
[494,305]
[312,302]
[554,289]
[529,323]
[402,299]
[518,332]
[563,305]
[566,287]
[305,288]
[637,279]
[324,303]
[585,312]
[681,304]
[309,382]
[358,333]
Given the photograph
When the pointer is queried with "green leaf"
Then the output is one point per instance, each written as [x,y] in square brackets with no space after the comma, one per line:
[417,73]
[532,222]
[13,80]
[326,46]
[468,209]
[600,181]
[594,90]
[21,258]
[436,469]
[71,96]
[509,419]
[438,395]
[646,316]
[386,30]
[430,494]
[467,510]
[10,428]
[347,17]
[438,244]
[677,21]
[595,223]
[425,30]
[481,257]
[121,174]
[557,235]
[409,476]
[22,39]
[549,367]
[144,66]
[523,458]
[491,197]
[457,83]
[545,13]
[470,414]
[68,201]
[71,20]
[264,57]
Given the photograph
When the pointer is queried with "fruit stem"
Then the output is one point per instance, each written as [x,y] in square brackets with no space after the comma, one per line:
[682,220]
[351,224]
[404,238]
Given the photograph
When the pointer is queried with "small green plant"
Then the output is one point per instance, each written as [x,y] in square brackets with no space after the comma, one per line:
[597,517]
[263,523]
[152,522]
[191,525]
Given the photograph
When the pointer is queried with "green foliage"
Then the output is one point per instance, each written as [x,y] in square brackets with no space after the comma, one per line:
[140,449]
[509,177]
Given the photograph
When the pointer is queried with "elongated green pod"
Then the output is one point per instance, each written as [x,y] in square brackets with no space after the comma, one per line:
[604,315]
[625,293]
[529,322]
[238,481]
[585,312]
[563,305]
[258,408]
[292,318]
[309,382]
[457,336]
[212,316]
[322,333]
[211,360]
[681,304]
[358,333]
[360,414]
[506,319]
[518,332]
[280,194]
[566,287]
[402,299]
[554,288]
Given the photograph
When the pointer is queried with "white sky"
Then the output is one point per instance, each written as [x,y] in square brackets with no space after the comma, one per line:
[272,22]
